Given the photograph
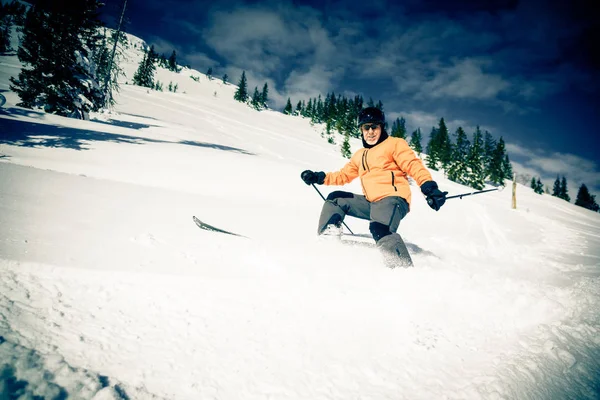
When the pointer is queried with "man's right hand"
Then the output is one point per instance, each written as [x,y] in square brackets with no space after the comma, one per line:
[311,177]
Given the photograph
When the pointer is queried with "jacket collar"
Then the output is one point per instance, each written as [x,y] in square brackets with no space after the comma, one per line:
[384,135]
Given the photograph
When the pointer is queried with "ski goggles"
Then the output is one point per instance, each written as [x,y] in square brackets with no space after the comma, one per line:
[366,127]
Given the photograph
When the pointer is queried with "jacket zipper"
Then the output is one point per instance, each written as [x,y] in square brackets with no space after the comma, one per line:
[365,166]
[364,161]
[393,184]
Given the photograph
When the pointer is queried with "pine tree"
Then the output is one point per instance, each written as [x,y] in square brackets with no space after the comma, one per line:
[10,14]
[288,107]
[586,200]
[399,128]
[308,111]
[432,150]
[556,188]
[16,11]
[415,142]
[458,170]
[5,27]
[495,170]
[209,74]
[319,111]
[56,48]
[540,187]
[172,62]
[299,109]
[489,146]
[329,131]
[564,192]
[264,96]
[476,178]
[444,145]
[225,78]
[107,59]
[533,184]
[144,76]
[537,186]
[255,102]
[346,148]
[241,94]
[161,61]
[507,167]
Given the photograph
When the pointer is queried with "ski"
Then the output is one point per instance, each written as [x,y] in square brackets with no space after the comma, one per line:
[209,227]
[358,239]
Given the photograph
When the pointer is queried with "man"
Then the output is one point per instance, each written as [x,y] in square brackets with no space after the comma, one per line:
[383,166]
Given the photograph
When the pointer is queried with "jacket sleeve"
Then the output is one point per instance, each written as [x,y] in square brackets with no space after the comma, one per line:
[409,163]
[346,175]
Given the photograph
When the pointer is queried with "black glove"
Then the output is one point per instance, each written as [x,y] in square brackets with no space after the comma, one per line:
[310,177]
[435,198]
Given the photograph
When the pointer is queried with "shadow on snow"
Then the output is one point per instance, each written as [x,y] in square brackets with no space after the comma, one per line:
[123,124]
[31,134]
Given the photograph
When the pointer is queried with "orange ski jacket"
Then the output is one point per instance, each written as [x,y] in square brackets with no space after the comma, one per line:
[383,170]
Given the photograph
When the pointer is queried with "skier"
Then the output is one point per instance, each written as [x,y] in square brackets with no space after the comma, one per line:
[383,166]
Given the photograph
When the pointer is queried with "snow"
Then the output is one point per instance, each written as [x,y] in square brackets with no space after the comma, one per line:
[108,290]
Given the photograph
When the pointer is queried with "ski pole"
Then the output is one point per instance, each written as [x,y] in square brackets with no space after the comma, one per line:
[460,196]
[318,191]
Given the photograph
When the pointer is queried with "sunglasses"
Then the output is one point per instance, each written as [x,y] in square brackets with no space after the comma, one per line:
[366,127]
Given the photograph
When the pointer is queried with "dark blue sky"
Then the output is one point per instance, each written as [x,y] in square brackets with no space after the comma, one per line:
[524,70]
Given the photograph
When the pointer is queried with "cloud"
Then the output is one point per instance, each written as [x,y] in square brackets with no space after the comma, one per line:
[200,60]
[539,163]
[425,121]
[311,83]
[570,165]
[261,39]
[464,79]
[162,46]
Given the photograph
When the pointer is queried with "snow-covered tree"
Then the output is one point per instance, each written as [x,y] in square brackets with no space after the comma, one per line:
[144,75]
[10,14]
[107,57]
[458,170]
[489,146]
[475,158]
[56,49]
[5,27]
[346,150]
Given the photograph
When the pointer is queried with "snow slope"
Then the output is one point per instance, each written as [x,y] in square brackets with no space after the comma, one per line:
[109,291]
